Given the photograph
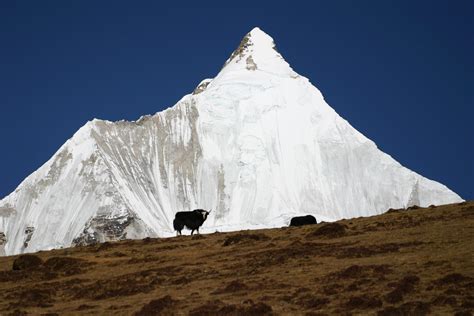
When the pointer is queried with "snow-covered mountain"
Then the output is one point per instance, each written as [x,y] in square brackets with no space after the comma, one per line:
[257,144]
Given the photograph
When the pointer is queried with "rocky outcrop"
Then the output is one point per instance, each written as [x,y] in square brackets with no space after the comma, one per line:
[102,228]
[3,241]
[202,86]
[29,233]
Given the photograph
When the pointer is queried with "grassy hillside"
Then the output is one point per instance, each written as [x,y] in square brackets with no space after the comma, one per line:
[414,261]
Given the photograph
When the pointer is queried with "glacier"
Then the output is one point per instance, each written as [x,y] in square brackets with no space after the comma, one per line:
[257,145]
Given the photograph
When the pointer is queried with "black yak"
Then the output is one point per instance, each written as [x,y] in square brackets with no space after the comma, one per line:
[192,220]
[303,220]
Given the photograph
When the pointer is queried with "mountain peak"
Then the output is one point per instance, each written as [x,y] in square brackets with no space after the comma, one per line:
[260,38]
[255,40]
[257,51]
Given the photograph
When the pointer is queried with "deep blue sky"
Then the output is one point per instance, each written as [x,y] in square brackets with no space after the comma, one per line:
[401,72]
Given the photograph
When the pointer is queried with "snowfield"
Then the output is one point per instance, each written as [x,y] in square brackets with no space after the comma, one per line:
[257,144]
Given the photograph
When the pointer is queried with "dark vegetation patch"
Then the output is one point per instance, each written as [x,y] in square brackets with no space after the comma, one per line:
[467,210]
[84,307]
[329,230]
[468,302]
[232,287]
[453,278]
[104,289]
[18,312]
[32,297]
[453,290]
[444,300]
[208,309]
[331,289]
[116,307]
[296,294]
[31,267]
[372,250]
[363,302]
[218,307]
[18,275]
[168,247]
[309,301]
[27,262]
[145,258]
[432,263]
[116,254]
[295,250]
[126,285]
[368,251]
[403,287]
[308,250]
[402,221]
[244,238]
[147,240]
[66,265]
[392,210]
[315,314]
[105,246]
[363,276]
[357,271]
[180,280]
[157,307]
[409,308]
[360,283]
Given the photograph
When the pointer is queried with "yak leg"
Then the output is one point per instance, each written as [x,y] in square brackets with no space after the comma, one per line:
[192,231]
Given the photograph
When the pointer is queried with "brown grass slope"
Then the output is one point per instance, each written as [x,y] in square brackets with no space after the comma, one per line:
[414,261]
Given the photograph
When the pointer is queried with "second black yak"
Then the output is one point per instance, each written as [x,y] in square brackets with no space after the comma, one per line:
[303,220]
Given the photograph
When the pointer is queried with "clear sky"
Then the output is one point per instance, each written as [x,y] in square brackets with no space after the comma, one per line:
[401,72]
